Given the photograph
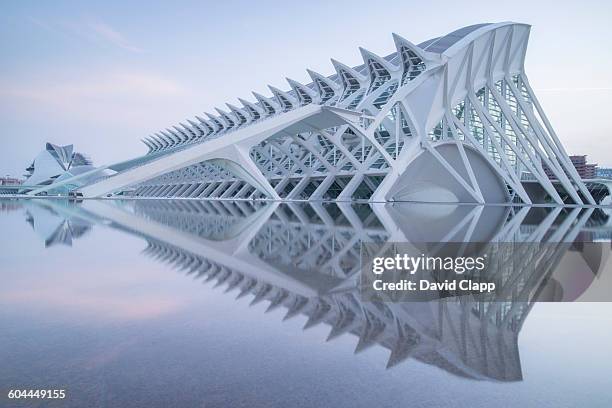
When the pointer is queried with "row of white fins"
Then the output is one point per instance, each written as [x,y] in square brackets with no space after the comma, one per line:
[323,90]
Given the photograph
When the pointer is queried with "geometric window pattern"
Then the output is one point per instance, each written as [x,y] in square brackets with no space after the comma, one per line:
[467,88]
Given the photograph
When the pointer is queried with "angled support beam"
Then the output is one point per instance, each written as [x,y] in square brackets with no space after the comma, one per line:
[306,118]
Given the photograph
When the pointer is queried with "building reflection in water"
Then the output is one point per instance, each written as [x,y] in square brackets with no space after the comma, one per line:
[305,258]
[9,205]
[54,228]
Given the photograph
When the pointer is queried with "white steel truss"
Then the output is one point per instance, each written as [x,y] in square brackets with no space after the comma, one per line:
[451,119]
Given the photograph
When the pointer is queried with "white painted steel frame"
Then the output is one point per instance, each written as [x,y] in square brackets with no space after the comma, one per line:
[376,120]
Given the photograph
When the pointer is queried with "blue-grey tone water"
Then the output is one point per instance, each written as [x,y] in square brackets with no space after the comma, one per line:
[135,304]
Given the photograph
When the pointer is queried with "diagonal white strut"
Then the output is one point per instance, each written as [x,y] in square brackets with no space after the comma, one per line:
[304,119]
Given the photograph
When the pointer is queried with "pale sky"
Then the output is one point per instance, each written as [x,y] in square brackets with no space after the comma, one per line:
[103,75]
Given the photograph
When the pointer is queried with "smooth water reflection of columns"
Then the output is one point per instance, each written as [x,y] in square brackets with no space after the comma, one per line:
[305,258]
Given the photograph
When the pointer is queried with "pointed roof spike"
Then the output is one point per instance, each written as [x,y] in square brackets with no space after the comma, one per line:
[266,101]
[178,129]
[212,117]
[295,84]
[260,97]
[149,143]
[146,143]
[189,129]
[315,75]
[182,132]
[413,59]
[153,142]
[296,307]
[173,135]
[352,81]
[210,129]
[404,345]
[253,110]
[278,299]
[192,123]
[298,88]
[400,352]
[219,125]
[243,292]
[370,332]
[341,326]
[171,140]
[285,94]
[261,294]
[366,55]
[320,312]
[200,119]
[246,104]
[401,41]
[287,101]
[238,113]
[234,282]
[212,271]
[227,118]
[327,88]
[343,67]
[245,289]
[168,132]
[220,280]
[310,323]
[158,138]
[232,107]
[166,143]
[379,70]
[204,130]
[398,38]
[158,143]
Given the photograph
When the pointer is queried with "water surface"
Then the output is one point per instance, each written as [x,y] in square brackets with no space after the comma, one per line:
[169,303]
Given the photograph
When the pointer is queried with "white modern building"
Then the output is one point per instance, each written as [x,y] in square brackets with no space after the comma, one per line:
[452,119]
[59,169]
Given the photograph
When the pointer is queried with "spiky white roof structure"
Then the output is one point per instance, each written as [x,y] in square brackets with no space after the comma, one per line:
[451,119]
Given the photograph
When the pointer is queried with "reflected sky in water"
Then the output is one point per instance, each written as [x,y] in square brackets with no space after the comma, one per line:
[251,304]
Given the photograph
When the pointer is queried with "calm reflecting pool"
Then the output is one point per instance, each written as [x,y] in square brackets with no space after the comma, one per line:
[254,304]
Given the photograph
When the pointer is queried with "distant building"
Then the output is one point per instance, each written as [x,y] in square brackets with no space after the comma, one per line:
[10,181]
[585,170]
[55,162]
[604,172]
[59,169]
